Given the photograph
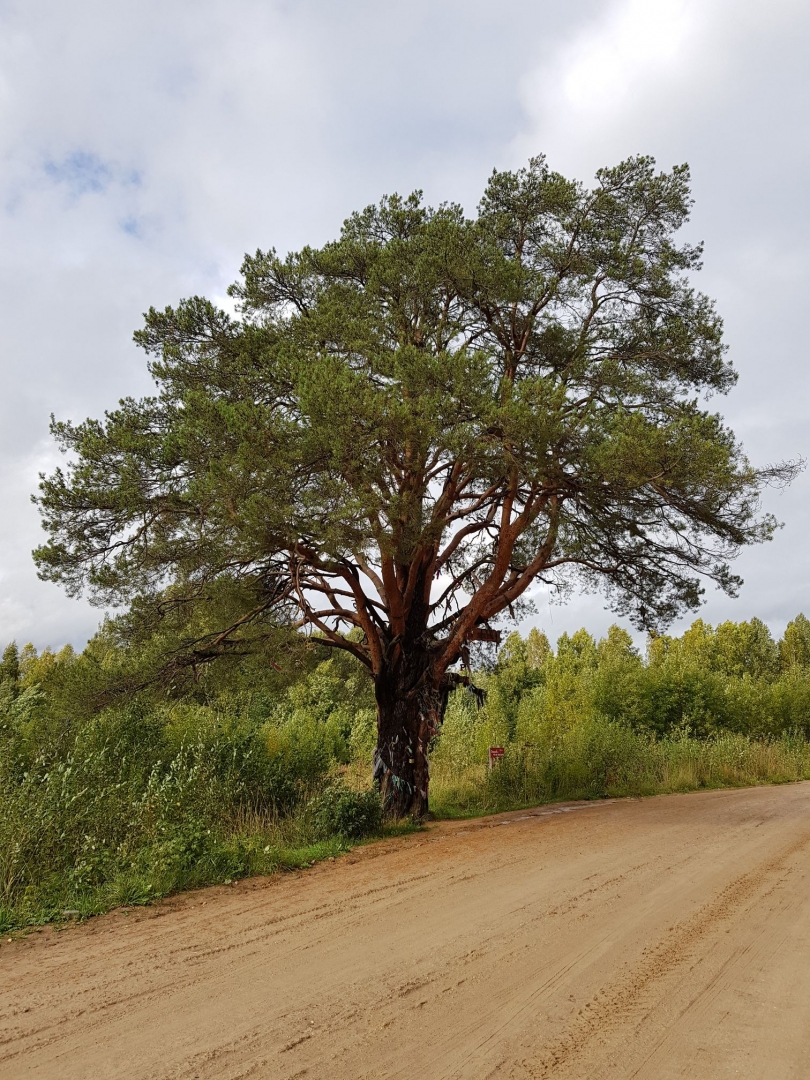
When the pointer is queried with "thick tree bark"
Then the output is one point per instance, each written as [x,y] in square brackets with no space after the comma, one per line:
[409,713]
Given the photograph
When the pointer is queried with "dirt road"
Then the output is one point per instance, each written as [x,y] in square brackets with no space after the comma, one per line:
[655,939]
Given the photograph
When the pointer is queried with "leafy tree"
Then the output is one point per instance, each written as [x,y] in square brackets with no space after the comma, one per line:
[577,650]
[537,648]
[513,677]
[408,427]
[746,648]
[513,652]
[619,677]
[794,648]
[617,646]
[10,666]
[698,645]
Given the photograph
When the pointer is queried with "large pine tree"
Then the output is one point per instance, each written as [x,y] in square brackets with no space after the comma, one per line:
[405,429]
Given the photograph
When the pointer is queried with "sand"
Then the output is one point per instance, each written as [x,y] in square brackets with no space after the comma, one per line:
[655,938]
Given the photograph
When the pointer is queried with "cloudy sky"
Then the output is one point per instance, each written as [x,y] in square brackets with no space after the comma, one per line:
[145,146]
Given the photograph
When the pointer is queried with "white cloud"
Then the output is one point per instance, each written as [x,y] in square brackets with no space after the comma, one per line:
[145,147]
[611,62]
[659,76]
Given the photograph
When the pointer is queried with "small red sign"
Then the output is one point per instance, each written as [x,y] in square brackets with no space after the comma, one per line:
[495,753]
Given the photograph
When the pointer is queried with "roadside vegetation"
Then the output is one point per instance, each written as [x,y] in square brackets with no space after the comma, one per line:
[110,798]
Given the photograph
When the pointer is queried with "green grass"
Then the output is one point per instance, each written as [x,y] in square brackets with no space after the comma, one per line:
[603,760]
[58,900]
[158,874]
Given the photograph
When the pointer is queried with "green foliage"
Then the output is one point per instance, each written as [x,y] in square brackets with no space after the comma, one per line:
[337,697]
[339,811]
[732,678]
[598,758]
[10,667]
[794,648]
[120,803]
[513,677]
[712,708]
[537,648]
[141,799]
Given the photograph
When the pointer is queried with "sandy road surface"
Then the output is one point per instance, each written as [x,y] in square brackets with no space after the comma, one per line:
[663,938]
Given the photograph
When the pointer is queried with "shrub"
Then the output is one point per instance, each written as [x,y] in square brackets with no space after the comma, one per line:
[340,811]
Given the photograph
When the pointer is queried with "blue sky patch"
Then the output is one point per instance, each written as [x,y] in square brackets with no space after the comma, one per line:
[84,172]
[132,227]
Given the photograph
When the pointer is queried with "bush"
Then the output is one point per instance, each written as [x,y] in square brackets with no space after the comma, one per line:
[339,811]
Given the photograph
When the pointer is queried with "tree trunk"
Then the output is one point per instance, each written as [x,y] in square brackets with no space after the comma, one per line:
[406,722]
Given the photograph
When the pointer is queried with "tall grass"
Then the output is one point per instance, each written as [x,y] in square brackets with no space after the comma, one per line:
[136,805]
[598,758]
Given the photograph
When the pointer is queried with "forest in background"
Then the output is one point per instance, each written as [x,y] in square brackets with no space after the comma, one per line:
[118,787]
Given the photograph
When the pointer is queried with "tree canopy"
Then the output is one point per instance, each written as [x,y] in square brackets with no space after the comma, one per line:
[400,432]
